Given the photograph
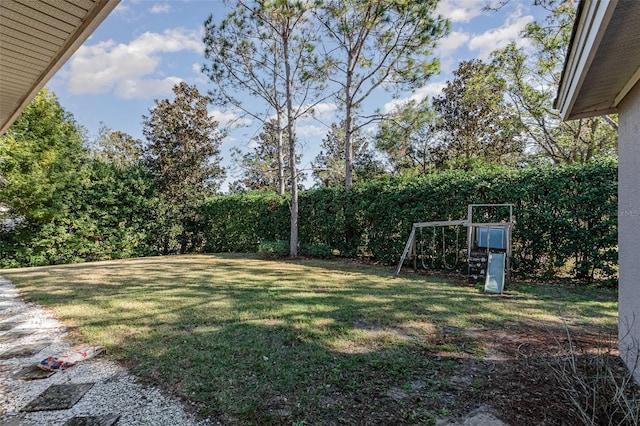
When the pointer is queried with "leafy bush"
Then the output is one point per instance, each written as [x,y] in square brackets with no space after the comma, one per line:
[273,249]
[109,214]
[239,222]
[322,251]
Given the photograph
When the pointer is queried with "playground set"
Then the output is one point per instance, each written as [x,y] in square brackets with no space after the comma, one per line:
[488,245]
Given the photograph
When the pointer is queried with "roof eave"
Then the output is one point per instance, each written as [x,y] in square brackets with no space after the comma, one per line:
[88,26]
[593,14]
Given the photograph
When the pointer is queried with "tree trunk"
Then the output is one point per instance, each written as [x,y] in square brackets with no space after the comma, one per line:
[165,245]
[293,239]
[348,160]
[183,241]
[281,177]
[348,153]
[348,131]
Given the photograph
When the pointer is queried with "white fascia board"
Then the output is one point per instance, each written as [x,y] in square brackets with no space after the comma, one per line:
[592,26]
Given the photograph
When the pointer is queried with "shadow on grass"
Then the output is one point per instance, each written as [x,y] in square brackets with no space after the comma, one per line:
[262,342]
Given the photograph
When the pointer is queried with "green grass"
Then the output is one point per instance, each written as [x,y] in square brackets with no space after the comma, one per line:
[304,342]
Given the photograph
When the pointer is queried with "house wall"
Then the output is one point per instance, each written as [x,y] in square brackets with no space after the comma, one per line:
[629,229]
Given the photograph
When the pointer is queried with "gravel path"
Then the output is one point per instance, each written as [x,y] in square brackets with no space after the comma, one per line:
[115,390]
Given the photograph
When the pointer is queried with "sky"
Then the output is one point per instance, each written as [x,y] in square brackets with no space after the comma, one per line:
[145,47]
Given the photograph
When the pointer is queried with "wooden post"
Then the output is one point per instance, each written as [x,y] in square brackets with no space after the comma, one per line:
[414,254]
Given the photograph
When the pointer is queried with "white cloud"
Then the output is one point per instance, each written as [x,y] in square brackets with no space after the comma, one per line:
[460,10]
[322,111]
[325,108]
[160,8]
[498,38]
[140,89]
[122,9]
[311,130]
[448,64]
[429,90]
[229,118]
[125,12]
[129,70]
[454,40]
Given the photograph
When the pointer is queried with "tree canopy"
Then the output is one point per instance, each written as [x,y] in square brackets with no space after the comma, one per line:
[475,122]
[496,112]
[531,79]
[408,139]
[183,156]
[40,158]
[118,147]
[379,44]
[260,171]
[329,165]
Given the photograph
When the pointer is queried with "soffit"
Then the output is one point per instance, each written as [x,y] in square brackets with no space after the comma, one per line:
[614,65]
[36,39]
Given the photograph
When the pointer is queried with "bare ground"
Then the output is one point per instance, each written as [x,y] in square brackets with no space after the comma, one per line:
[519,376]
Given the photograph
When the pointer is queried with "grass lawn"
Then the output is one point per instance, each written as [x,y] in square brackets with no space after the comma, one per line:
[250,341]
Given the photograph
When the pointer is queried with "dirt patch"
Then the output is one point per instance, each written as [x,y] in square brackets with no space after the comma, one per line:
[516,377]
[493,377]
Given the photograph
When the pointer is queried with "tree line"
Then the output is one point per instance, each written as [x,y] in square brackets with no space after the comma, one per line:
[112,197]
[492,112]
[124,196]
[296,56]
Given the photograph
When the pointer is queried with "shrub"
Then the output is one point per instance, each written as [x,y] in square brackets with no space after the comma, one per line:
[111,214]
[565,218]
[273,249]
[322,251]
[239,222]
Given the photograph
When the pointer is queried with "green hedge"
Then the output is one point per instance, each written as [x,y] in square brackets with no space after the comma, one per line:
[566,216]
[566,219]
[110,214]
[241,222]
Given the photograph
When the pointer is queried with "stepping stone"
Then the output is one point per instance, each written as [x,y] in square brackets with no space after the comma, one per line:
[8,325]
[14,335]
[58,397]
[105,420]
[32,372]
[24,351]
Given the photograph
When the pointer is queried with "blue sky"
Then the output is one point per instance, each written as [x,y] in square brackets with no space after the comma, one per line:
[145,47]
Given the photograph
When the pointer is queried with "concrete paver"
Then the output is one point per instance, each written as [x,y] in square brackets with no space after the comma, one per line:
[25,351]
[59,397]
